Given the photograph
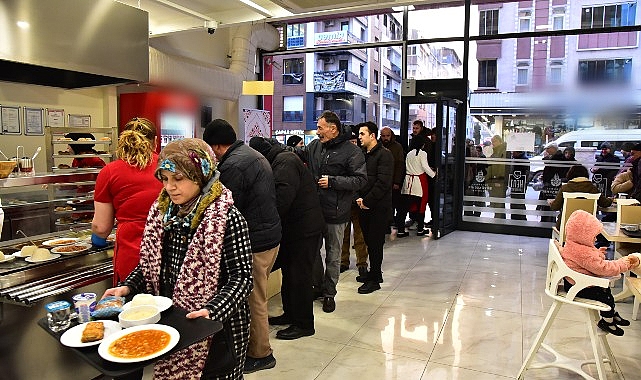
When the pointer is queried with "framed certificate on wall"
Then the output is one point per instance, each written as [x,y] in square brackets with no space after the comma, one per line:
[33,121]
[10,119]
[79,121]
[55,117]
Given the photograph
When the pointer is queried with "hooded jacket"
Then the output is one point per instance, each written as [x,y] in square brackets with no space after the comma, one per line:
[579,252]
[344,164]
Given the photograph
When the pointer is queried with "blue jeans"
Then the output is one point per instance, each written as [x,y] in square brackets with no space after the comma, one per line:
[333,235]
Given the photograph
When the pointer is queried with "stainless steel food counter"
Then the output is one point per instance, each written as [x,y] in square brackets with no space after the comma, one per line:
[26,352]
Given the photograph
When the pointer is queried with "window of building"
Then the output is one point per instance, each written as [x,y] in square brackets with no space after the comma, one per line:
[489,22]
[487,73]
[385,20]
[605,71]
[293,71]
[344,25]
[343,64]
[599,16]
[295,36]
[525,18]
[556,74]
[522,76]
[293,108]
[558,19]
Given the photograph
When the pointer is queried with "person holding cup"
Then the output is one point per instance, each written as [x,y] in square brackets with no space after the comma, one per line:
[196,250]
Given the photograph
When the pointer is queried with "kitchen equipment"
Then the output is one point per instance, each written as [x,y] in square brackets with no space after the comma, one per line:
[4,155]
[26,237]
[6,167]
[36,154]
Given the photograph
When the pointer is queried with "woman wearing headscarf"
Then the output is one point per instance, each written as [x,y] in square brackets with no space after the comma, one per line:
[125,190]
[196,250]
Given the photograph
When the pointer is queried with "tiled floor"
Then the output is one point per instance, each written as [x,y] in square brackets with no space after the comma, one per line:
[466,306]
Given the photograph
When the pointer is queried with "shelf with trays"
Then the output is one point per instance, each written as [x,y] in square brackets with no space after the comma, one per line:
[105,137]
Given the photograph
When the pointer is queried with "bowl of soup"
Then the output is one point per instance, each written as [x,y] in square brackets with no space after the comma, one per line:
[139,315]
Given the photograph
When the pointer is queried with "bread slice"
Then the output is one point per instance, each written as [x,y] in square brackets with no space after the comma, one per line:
[93,331]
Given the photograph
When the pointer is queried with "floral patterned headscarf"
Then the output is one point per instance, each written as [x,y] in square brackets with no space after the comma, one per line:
[193,158]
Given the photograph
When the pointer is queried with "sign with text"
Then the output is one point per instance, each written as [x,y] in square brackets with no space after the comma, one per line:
[331,38]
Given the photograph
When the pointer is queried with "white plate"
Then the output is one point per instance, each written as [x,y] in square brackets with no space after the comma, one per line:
[103,348]
[60,241]
[7,258]
[53,256]
[62,251]
[71,337]
[162,303]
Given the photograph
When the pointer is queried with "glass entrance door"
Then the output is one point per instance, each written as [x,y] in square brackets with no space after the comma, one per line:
[439,116]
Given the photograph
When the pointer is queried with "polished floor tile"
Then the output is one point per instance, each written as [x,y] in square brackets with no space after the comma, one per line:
[463,307]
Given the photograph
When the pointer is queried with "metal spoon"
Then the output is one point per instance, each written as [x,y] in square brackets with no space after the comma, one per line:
[5,156]
[27,237]
[36,154]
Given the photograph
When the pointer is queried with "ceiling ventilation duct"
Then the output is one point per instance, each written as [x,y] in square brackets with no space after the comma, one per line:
[222,83]
[73,43]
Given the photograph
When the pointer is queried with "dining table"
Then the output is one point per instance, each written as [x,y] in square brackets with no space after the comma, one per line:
[190,330]
[624,244]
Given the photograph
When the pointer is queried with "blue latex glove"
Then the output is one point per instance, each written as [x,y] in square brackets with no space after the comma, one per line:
[98,241]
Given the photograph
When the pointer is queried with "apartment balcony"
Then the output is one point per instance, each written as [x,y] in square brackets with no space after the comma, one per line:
[332,81]
[345,115]
[390,123]
[391,95]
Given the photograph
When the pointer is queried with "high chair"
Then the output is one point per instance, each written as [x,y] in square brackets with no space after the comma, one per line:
[571,203]
[556,271]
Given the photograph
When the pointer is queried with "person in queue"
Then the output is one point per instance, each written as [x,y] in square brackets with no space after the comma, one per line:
[196,251]
[125,190]
[581,256]
[606,166]
[415,189]
[338,167]
[375,202]
[578,182]
[551,178]
[635,192]
[249,176]
[302,221]
[295,141]
[354,225]
[78,149]
[388,139]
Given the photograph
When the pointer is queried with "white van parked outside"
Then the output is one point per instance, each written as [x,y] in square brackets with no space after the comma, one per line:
[588,138]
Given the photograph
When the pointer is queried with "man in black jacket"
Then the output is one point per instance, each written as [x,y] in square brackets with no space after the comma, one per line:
[302,221]
[389,142]
[375,202]
[338,166]
[248,175]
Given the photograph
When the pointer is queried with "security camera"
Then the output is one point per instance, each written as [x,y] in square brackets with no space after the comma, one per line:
[211,26]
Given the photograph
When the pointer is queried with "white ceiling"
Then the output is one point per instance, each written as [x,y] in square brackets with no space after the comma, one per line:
[171,16]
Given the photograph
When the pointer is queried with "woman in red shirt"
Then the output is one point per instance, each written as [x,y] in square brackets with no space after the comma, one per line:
[126,189]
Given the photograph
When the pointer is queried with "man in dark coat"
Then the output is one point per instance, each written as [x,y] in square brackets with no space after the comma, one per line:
[375,202]
[248,175]
[389,142]
[302,221]
[338,166]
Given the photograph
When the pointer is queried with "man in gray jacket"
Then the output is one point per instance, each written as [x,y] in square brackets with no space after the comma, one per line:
[338,166]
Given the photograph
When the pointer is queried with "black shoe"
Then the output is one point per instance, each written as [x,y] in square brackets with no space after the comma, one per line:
[610,327]
[328,304]
[423,232]
[620,321]
[362,270]
[369,287]
[279,320]
[366,277]
[344,268]
[402,234]
[294,332]
[253,365]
